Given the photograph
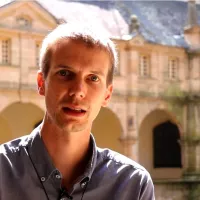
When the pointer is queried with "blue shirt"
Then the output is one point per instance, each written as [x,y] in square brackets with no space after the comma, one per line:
[27,173]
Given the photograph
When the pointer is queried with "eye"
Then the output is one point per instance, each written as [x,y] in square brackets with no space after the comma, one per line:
[63,73]
[94,78]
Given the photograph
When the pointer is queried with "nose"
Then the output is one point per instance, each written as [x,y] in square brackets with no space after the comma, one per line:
[77,89]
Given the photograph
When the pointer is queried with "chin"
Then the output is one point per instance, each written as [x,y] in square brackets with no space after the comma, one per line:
[73,127]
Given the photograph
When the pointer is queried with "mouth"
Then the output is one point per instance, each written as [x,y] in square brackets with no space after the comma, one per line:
[74,111]
[78,110]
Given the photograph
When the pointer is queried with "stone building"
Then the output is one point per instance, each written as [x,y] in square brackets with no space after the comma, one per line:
[154,113]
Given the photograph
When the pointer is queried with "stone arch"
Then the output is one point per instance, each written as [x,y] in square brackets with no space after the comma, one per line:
[107,130]
[6,133]
[37,123]
[35,99]
[20,119]
[152,120]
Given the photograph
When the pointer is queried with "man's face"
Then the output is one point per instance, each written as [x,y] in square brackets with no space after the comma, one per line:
[76,85]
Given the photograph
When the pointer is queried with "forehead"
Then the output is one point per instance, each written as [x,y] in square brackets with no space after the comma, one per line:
[77,52]
[70,48]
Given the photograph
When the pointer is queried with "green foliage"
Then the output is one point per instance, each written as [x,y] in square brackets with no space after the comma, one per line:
[174,94]
[194,192]
[175,99]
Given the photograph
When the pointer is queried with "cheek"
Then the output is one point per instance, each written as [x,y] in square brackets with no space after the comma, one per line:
[54,88]
[98,94]
[52,96]
[97,101]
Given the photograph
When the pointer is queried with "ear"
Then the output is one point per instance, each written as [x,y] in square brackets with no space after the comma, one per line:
[107,95]
[40,83]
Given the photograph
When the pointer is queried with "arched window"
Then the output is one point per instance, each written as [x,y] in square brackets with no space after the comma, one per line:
[173,68]
[144,66]
[166,146]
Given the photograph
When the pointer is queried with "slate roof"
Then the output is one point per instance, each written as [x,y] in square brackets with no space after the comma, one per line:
[161,22]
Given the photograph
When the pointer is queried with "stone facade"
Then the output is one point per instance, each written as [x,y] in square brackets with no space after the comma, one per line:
[155,84]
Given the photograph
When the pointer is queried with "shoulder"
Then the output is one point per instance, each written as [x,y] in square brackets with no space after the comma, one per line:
[118,159]
[12,148]
[16,145]
[122,165]
[121,169]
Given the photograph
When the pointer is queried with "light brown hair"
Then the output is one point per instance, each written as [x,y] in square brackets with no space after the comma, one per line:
[90,36]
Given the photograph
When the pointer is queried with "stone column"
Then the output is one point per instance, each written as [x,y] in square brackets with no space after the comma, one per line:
[128,143]
[191,144]
[130,140]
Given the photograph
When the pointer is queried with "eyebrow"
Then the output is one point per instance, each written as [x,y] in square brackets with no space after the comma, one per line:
[64,67]
[98,73]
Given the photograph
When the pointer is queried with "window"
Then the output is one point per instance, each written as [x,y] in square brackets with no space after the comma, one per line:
[117,72]
[173,69]
[23,22]
[166,146]
[37,53]
[6,51]
[144,66]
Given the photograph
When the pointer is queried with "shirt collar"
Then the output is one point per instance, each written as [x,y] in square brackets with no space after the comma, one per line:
[42,161]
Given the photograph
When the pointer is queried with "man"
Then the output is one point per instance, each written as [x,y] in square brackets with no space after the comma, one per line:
[59,159]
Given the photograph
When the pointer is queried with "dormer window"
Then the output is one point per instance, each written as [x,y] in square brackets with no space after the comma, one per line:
[24,22]
[173,69]
[144,66]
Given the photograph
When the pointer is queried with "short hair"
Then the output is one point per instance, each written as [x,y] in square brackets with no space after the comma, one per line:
[88,34]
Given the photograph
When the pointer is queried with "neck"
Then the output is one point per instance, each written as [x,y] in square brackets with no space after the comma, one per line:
[68,151]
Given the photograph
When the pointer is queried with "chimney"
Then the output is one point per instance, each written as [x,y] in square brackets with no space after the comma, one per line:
[192,19]
[134,25]
[192,29]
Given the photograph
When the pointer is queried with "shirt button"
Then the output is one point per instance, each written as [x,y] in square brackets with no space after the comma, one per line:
[66,198]
[58,176]
[43,179]
[83,184]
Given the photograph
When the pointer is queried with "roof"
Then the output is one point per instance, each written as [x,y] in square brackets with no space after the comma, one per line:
[161,22]
[5,2]
[109,20]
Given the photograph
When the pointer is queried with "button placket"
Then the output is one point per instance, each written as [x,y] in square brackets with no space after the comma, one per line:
[57,175]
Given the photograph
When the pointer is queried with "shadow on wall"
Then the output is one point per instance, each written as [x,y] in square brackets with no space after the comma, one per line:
[107,130]
[18,119]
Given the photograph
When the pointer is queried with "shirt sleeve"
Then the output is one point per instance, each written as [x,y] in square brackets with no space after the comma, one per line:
[147,190]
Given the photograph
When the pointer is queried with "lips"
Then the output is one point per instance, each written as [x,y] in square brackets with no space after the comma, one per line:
[78,110]
[74,112]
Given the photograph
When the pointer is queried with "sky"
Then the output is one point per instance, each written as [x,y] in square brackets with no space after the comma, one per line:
[3,2]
